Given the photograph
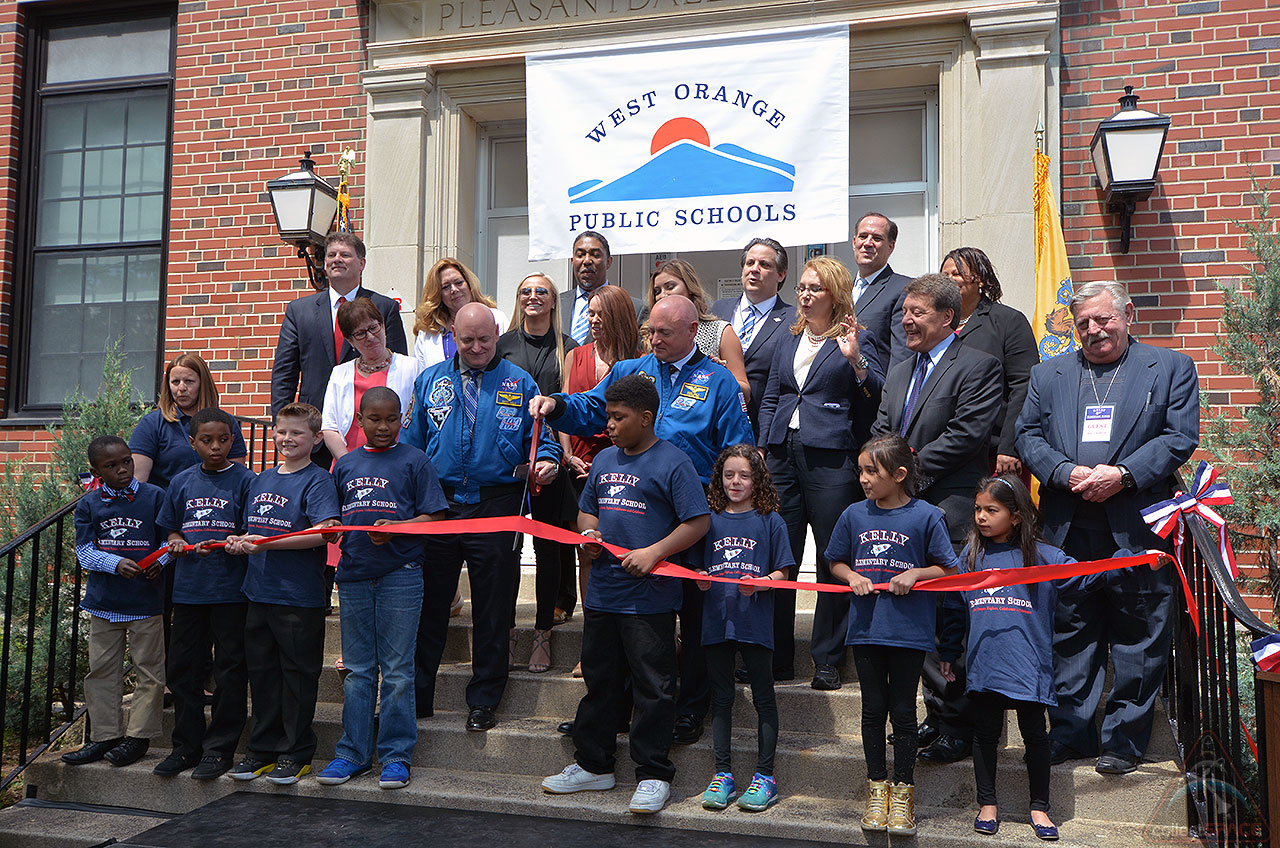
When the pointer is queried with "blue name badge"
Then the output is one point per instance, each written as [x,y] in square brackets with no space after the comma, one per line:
[1097,423]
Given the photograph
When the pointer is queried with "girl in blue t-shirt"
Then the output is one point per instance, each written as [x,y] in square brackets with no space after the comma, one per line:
[1010,653]
[890,538]
[747,538]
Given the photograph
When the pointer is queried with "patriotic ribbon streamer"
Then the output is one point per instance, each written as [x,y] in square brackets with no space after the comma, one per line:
[520,524]
[1166,517]
[1266,652]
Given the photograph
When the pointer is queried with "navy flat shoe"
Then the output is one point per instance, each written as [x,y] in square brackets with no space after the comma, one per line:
[987,826]
[1047,832]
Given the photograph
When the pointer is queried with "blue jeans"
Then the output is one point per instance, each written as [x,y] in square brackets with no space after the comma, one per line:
[379,633]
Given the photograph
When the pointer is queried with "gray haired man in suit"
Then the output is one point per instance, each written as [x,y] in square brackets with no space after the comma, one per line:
[1105,430]
[944,399]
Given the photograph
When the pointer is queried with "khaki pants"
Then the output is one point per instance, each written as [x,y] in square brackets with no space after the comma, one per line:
[104,684]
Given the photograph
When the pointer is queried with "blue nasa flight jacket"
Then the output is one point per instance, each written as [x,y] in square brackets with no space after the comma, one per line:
[702,414]
[467,462]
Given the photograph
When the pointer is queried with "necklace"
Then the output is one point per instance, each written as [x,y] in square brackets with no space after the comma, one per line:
[812,338]
[373,368]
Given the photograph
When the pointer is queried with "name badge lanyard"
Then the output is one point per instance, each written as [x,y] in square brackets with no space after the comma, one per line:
[1098,418]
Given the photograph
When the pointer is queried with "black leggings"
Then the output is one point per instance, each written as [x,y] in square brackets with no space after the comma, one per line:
[890,678]
[988,711]
[759,663]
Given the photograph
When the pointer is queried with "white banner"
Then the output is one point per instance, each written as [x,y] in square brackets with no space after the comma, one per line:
[691,145]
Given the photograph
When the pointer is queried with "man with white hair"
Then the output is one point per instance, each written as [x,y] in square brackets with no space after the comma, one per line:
[1105,431]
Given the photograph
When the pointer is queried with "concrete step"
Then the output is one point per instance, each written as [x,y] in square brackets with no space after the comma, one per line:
[36,824]
[555,694]
[796,816]
[819,765]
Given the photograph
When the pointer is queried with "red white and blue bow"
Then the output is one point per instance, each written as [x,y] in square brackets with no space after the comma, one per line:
[1166,517]
[1266,652]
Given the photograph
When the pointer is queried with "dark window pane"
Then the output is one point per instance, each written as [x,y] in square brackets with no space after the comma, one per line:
[105,126]
[148,118]
[60,175]
[64,125]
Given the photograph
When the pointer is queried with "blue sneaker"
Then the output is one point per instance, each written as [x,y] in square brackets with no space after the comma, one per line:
[340,771]
[719,791]
[394,776]
[760,795]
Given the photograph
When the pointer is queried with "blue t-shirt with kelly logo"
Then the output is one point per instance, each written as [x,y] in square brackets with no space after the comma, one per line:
[395,483]
[1011,627]
[207,506]
[879,544]
[282,503]
[742,544]
[638,500]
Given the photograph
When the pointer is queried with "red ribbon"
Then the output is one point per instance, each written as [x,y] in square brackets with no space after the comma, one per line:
[520,524]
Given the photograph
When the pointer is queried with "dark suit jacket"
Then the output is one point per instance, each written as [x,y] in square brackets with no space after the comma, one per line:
[1005,333]
[566,309]
[950,426]
[880,311]
[835,412]
[759,356]
[1156,428]
[305,348]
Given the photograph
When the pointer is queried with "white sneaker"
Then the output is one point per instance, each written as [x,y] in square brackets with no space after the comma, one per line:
[575,778]
[650,796]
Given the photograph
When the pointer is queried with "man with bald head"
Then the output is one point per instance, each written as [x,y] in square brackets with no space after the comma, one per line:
[468,415]
[702,411]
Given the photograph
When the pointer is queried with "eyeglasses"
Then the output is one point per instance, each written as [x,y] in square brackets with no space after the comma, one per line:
[1082,325]
[361,335]
[528,292]
[813,290]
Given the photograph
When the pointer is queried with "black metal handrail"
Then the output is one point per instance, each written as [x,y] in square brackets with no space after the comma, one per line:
[35,706]
[44,588]
[1220,744]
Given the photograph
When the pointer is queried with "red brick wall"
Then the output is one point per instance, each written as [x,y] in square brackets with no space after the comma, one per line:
[12,34]
[256,85]
[1214,68]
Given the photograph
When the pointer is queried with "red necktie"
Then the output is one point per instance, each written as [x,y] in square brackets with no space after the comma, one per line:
[337,335]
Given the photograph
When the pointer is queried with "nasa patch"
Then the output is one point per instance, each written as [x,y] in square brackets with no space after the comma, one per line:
[509,424]
[683,403]
[510,384]
[701,377]
[441,392]
[438,414]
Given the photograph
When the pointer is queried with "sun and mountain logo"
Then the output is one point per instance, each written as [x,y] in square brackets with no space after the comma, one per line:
[682,163]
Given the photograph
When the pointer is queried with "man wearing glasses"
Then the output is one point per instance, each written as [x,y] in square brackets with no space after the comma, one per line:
[1105,430]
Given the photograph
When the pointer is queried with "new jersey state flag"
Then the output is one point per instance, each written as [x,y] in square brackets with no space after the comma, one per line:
[1052,323]
[699,144]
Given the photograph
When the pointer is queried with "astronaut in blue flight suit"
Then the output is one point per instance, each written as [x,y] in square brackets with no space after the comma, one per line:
[468,415]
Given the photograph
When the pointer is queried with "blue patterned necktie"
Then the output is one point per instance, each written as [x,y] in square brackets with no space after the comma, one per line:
[471,398]
[913,393]
[748,326]
[580,330]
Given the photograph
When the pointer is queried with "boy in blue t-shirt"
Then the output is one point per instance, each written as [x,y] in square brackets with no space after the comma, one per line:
[644,495]
[284,582]
[116,527]
[380,590]
[205,504]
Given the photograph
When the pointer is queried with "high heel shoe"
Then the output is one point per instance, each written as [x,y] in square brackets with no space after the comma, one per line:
[540,657]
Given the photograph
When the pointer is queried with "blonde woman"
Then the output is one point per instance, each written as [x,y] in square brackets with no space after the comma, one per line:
[535,343]
[817,410]
[449,286]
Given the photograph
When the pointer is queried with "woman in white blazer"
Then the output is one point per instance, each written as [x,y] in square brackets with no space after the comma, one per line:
[362,325]
[449,286]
